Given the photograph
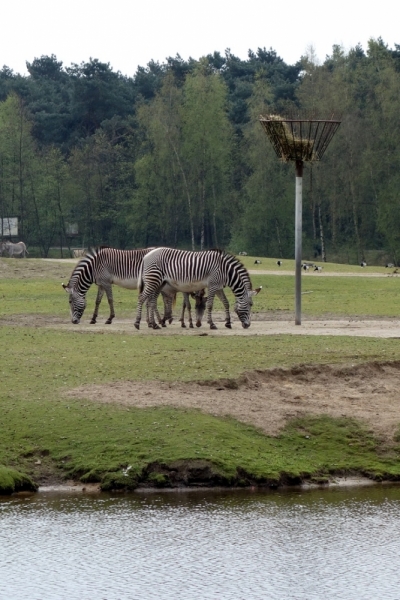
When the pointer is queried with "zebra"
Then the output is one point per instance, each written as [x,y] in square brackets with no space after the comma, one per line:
[187,271]
[15,249]
[105,266]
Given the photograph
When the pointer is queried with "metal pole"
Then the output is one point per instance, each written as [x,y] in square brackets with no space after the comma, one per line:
[298,237]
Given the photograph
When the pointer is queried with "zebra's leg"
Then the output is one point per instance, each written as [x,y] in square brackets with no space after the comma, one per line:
[157,314]
[148,314]
[171,304]
[186,304]
[201,301]
[209,306]
[168,302]
[151,289]
[153,311]
[150,321]
[141,301]
[224,300]
[100,293]
[108,290]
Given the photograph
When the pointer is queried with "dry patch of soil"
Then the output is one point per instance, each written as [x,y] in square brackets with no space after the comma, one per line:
[268,399]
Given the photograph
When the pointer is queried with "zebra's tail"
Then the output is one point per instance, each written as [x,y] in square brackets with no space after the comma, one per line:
[141,280]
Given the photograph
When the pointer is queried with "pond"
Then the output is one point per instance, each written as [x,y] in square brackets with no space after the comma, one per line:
[341,543]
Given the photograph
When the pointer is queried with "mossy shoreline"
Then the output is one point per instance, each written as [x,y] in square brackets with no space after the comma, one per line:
[309,451]
[186,476]
[12,481]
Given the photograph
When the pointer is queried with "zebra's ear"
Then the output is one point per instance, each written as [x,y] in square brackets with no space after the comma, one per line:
[256,291]
[66,288]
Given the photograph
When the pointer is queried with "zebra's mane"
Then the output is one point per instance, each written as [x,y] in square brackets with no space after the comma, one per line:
[236,261]
[77,272]
[95,249]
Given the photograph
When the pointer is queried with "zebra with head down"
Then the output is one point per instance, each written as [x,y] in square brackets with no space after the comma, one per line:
[187,271]
[106,266]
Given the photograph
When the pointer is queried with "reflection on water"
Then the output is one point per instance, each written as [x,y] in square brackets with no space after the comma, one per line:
[336,544]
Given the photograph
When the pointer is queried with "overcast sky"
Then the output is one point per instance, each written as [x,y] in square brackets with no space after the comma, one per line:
[129,33]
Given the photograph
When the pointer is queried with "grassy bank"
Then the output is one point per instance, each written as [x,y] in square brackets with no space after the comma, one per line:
[51,437]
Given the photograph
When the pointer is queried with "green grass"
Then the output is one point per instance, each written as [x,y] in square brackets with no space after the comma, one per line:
[45,434]
[340,296]
[38,290]
[288,265]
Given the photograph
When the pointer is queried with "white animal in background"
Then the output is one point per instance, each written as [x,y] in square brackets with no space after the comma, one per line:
[18,249]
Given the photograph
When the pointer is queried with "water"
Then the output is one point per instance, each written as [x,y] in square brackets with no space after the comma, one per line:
[329,544]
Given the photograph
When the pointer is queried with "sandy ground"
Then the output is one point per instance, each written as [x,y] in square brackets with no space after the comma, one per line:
[267,399]
[260,326]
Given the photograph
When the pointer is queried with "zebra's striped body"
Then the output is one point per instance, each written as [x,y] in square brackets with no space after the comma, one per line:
[106,266]
[187,271]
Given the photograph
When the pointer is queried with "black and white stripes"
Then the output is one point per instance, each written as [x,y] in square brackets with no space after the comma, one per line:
[187,271]
[103,266]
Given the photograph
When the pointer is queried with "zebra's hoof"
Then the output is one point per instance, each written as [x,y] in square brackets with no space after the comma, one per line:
[228,325]
[170,320]
[198,323]
[155,326]
[213,326]
[137,325]
[163,325]
[183,324]
[108,322]
[191,326]
[93,322]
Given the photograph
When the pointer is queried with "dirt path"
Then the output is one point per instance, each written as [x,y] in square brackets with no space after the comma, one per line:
[262,324]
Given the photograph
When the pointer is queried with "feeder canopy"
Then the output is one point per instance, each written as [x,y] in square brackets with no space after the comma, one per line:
[299,139]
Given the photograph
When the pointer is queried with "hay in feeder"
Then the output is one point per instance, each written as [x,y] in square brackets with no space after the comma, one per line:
[288,142]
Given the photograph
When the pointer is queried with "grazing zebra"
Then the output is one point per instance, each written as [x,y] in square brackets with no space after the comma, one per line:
[187,271]
[106,266]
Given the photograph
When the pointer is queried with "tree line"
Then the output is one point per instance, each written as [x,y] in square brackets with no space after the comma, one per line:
[176,156]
